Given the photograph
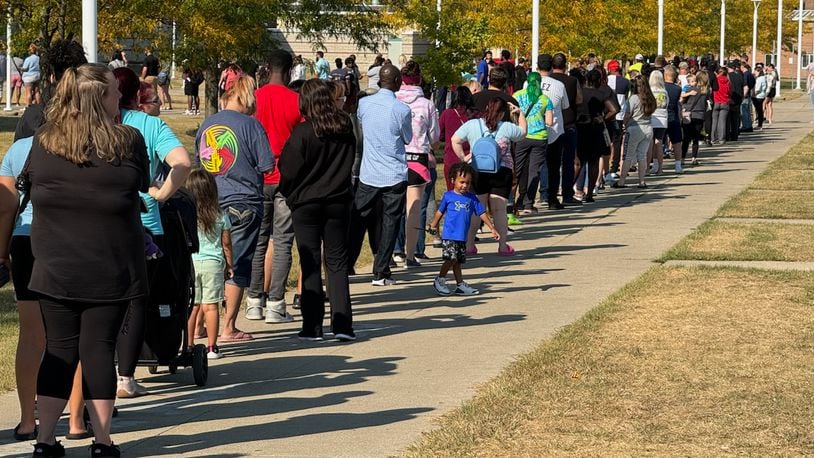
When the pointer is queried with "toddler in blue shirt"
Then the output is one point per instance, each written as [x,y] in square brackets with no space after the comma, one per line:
[457,207]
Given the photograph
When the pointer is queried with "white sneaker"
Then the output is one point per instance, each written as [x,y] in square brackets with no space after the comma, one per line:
[399,258]
[440,285]
[254,308]
[608,178]
[187,113]
[276,312]
[126,387]
[464,289]
[383,282]
[214,353]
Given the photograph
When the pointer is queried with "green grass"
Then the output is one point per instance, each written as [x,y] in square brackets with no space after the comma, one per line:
[769,204]
[9,330]
[682,361]
[720,241]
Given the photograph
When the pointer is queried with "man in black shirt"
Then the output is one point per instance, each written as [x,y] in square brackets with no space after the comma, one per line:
[520,73]
[150,67]
[569,152]
[508,67]
[497,84]
[738,90]
[746,105]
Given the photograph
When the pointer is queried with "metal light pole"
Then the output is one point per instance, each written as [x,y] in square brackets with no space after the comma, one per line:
[89,29]
[754,33]
[9,61]
[799,42]
[723,31]
[661,28]
[535,32]
[172,67]
[779,51]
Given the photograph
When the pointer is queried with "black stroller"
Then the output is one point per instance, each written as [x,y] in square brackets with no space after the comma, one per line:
[173,293]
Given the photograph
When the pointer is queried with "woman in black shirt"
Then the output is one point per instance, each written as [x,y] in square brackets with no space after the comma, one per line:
[315,170]
[85,172]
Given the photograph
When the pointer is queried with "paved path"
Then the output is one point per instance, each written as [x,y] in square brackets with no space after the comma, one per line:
[419,355]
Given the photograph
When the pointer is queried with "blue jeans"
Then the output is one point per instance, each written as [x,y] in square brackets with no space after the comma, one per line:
[428,206]
[245,220]
[746,114]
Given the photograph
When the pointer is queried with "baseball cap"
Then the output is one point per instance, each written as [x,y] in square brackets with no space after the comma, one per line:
[639,57]
[613,65]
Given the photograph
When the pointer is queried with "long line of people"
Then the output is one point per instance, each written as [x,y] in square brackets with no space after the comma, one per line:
[319,161]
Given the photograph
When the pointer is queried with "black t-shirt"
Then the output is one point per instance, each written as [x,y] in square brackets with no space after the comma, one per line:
[520,77]
[673,96]
[316,169]
[87,237]
[508,67]
[151,62]
[736,88]
[347,77]
[569,115]
[32,119]
[483,98]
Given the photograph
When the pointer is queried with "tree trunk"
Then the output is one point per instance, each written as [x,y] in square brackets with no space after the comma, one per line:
[211,77]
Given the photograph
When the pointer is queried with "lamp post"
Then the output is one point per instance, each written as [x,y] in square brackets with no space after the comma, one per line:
[89,29]
[8,60]
[754,33]
[723,31]
[661,28]
[779,52]
[535,32]
[799,42]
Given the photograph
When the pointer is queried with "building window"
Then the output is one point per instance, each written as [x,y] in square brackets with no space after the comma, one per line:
[770,59]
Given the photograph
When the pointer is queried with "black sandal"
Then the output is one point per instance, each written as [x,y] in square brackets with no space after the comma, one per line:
[25,436]
[642,186]
[87,433]
[43,450]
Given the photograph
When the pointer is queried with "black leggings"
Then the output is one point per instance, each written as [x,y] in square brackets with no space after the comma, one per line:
[692,134]
[77,331]
[131,336]
[758,104]
[318,225]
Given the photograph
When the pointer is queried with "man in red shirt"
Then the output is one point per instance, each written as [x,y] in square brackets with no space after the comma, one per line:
[278,111]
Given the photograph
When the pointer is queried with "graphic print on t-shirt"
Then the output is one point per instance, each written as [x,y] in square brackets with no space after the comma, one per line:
[218,149]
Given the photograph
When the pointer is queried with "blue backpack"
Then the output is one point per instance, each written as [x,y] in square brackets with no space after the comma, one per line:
[486,152]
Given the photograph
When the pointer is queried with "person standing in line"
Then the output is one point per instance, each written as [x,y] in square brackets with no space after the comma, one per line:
[16,79]
[162,147]
[278,112]
[387,124]
[119,60]
[658,122]
[549,172]
[694,107]
[483,69]
[569,150]
[420,157]
[600,108]
[508,66]
[298,71]
[31,76]
[192,89]
[530,152]
[749,91]
[737,92]
[720,110]
[315,169]
[84,293]
[521,73]
[451,119]
[322,67]
[768,102]
[761,88]
[621,86]
[233,146]
[373,74]
[641,106]
[674,131]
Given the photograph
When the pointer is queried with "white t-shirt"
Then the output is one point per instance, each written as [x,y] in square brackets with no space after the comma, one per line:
[620,98]
[555,91]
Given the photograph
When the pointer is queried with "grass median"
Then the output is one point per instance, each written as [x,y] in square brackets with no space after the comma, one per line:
[689,361]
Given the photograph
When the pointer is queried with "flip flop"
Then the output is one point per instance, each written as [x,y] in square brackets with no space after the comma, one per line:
[239,336]
[509,251]
[87,433]
[25,436]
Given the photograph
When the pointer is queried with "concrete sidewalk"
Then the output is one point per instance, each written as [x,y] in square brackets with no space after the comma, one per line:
[419,355]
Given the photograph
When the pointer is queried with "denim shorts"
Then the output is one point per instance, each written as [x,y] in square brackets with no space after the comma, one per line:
[245,221]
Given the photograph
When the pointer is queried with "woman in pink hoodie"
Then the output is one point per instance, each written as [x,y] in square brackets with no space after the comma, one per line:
[419,152]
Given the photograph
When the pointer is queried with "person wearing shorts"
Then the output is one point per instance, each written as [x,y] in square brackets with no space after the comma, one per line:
[459,206]
[31,76]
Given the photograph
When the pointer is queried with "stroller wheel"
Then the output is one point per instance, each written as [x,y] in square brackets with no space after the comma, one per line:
[152,369]
[200,365]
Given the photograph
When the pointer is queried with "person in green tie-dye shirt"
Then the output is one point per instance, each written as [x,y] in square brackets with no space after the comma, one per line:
[530,153]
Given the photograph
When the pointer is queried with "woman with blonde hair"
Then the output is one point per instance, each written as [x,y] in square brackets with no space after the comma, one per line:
[88,269]
[240,184]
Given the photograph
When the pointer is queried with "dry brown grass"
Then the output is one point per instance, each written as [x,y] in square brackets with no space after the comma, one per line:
[9,330]
[769,204]
[719,241]
[782,179]
[680,362]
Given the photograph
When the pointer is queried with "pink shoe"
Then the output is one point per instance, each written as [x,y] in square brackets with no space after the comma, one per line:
[472,251]
[508,252]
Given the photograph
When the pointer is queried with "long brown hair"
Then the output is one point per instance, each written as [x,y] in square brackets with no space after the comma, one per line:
[702,81]
[317,106]
[78,124]
[203,187]
[641,88]
[495,112]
